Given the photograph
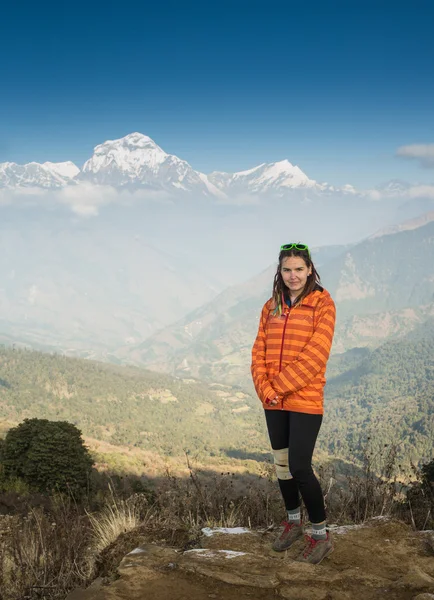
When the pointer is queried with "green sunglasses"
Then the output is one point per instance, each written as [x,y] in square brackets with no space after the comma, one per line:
[296,246]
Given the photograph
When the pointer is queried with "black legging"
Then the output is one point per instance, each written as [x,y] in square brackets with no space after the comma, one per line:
[298,432]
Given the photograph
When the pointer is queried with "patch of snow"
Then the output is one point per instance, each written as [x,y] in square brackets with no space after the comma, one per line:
[64,169]
[208,531]
[180,186]
[211,187]
[136,551]
[207,553]
[248,172]
[341,529]
[129,154]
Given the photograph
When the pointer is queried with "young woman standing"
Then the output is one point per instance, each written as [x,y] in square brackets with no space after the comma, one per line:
[289,359]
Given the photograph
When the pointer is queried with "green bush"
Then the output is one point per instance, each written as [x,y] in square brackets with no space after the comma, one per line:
[428,473]
[48,456]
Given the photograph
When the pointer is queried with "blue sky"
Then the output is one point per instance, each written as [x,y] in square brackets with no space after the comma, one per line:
[335,87]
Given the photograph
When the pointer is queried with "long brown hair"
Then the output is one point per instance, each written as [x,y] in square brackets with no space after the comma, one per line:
[281,292]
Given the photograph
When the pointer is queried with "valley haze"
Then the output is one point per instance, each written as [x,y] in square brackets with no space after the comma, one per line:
[102,257]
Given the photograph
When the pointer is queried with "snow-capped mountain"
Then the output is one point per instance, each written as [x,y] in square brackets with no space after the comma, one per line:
[278,177]
[394,187]
[136,160]
[46,175]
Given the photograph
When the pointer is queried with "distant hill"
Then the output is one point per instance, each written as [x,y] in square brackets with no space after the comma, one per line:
[385,273]
[125,405]
[386,393]
[87,289]
[383,287]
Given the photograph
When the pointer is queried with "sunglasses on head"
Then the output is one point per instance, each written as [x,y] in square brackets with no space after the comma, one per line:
[296,246]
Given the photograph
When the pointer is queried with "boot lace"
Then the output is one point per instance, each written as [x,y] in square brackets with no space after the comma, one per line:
[288,526]
[310,545]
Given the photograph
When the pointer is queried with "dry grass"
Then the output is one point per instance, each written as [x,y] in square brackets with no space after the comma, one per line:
[43,555]
[54,549]
[373,490]
[118,516]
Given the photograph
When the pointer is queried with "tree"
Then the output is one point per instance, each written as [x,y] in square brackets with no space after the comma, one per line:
[48,456]
[428,473]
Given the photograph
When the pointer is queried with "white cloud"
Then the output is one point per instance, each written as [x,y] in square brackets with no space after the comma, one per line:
[424,153]
[83,199]
[375,195]
[240,200]
[422,191]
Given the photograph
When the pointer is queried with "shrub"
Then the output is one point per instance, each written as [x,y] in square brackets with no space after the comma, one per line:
[48,456]
[420,497]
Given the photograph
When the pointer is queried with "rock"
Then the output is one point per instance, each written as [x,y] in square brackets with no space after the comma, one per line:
[237,538]
[430,541]
[235,567]
[306,592]
[416,579]
[379,560]
[97,583]
[294,572]
[146,558]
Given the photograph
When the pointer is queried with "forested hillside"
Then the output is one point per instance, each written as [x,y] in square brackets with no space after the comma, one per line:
[125,405]
[387,394]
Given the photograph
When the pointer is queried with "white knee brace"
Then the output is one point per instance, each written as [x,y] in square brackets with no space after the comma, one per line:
[281,463]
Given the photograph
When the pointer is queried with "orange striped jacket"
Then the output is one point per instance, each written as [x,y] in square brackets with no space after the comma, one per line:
[290,353]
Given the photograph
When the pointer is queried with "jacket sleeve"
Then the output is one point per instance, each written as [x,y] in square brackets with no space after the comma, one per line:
[314,356]
[258,368]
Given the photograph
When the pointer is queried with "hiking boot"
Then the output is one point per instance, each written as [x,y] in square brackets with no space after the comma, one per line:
[316,550]
[291,533]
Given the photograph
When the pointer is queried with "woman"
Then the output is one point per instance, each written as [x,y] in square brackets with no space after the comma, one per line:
[289,360]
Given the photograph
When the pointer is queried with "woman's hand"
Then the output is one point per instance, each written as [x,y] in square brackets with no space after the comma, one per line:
[273,401]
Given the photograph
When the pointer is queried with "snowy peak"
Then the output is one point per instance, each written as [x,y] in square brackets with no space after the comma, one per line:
[138,140]
[276,177]
[394,187]
[282,174]
[130,143]
[67,169]
[137,161]
[47,175]
[128,155]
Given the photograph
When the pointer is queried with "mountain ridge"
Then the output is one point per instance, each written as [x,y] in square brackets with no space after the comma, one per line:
[136,160]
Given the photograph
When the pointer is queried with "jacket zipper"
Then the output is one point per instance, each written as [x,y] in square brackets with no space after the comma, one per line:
[281,348]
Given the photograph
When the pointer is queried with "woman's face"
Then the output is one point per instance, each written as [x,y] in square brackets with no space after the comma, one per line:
[294,273]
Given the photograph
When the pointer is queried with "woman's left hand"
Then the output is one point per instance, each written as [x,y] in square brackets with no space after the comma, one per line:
[274,401]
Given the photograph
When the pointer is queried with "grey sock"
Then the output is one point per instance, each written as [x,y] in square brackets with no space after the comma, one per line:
[294,516]
[319,531]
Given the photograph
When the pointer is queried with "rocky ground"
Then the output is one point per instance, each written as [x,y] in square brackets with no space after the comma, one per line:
[382,559]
